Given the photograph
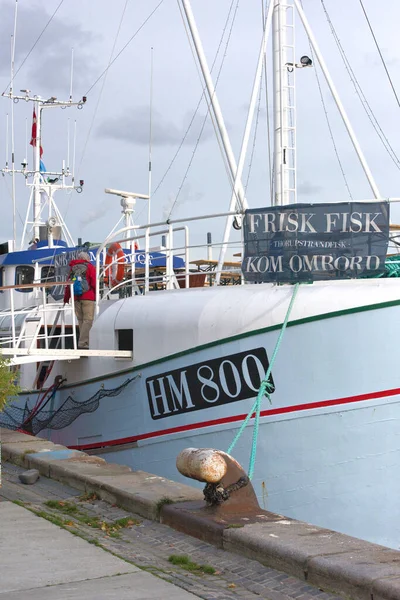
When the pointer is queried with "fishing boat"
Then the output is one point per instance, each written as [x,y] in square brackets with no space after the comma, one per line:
[180,347]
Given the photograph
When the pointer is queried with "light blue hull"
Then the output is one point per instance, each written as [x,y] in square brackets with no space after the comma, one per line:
[329,445]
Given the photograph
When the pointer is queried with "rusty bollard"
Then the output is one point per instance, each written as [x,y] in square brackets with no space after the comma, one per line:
[228,489]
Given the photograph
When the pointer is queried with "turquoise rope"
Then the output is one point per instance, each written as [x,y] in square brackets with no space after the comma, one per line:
[265,389]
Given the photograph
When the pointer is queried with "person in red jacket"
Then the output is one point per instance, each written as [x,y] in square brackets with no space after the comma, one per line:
[84,271]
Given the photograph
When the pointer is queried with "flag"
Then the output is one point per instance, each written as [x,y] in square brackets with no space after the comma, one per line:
[33,141]
[42,167]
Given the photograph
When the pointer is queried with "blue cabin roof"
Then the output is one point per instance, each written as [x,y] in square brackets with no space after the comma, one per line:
[46,256]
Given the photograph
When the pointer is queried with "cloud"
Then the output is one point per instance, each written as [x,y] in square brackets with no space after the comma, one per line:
[308,188]
[95,214]
[187,195]
[133,127]
[49,64]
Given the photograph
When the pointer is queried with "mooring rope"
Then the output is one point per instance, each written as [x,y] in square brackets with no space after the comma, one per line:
[265,389]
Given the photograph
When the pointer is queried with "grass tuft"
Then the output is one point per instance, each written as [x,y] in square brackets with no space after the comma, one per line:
[162,502]
[183,561]
[65,507]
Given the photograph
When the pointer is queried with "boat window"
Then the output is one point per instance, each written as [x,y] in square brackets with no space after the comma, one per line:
[23,275]
[1,278]
[125,339]
[47,275]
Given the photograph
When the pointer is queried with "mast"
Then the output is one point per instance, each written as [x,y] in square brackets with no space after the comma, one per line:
[43,187]
[283,50]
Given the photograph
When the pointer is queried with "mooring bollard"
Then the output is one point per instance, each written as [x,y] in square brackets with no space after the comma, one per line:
[227,484]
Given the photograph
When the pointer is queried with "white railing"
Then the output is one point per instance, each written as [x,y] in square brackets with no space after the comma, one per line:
[44,319]
[140,280]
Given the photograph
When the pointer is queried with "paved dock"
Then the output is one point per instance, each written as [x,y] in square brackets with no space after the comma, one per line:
[42,561]
[84,566]
[145,519]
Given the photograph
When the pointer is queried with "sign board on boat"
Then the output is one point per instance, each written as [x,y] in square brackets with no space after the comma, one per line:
[210,383]
[311,242]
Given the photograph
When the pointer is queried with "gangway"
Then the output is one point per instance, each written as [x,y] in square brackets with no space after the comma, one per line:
[37,334]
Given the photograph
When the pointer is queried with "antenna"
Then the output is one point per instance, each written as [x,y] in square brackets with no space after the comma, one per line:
[72,74]
[128,202]
[150,133]
[12,127]
[68,145]
[126,194]
[7,141]
[74,154]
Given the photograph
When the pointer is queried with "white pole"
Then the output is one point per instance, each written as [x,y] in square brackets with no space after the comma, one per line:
[339,104]
[74,155]
[7,134]
[68,146]
[213,98]
[245,142]
[150,136]
[36,158]
[26,139]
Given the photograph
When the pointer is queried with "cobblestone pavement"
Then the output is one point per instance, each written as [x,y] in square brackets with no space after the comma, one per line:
[149,545]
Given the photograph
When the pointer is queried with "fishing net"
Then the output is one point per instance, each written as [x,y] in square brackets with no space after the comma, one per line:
[16,417]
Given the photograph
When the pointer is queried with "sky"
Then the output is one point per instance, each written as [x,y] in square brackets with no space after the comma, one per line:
[112,129]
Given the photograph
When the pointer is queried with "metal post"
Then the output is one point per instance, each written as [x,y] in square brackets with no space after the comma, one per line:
[46,341]
[150,136]
[339,104]
[170,259]
[63,328]
[73,313]
[209,246]
[12,317]
[213,98]
[98,254]
[147,261]
[187,258]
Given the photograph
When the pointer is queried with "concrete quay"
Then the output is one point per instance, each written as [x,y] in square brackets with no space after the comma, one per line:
[335,563]
[66,566]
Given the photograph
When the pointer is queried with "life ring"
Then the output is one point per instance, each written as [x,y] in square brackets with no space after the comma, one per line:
[115,265]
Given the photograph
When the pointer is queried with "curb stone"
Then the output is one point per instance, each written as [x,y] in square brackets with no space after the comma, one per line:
[329,560]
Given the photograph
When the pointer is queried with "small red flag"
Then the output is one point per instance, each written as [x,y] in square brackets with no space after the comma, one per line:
[33,141]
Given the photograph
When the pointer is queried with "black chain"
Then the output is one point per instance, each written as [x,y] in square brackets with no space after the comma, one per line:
[215,493]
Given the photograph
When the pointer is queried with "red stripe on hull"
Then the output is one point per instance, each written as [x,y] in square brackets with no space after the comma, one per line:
[235,418]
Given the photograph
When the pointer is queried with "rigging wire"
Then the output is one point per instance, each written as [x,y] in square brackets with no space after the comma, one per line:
[206,116]
[254,137]
[203,95]
[380,53]
[359,91]
[100,94]
[327,117]
[125,46]
[35,44]
[329,125]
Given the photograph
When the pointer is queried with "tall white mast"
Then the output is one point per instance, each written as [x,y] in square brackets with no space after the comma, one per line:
[284,103]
